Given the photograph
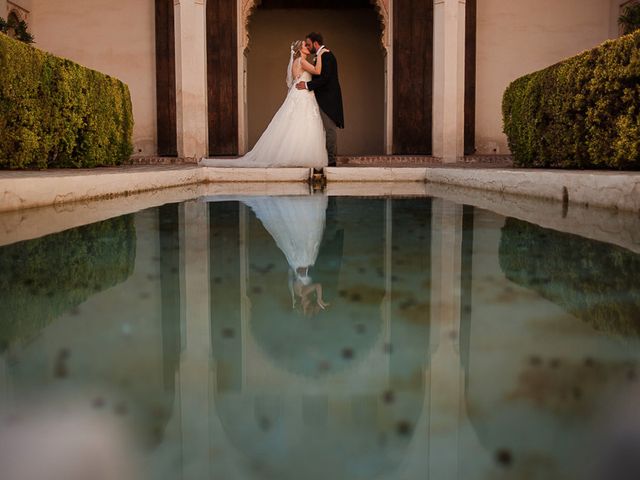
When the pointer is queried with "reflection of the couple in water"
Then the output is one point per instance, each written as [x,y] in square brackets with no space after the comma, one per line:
[305,294]
[327,386]
[297,225]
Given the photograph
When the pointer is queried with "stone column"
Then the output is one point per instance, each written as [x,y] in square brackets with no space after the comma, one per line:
[448,81]
[3,9]
[191,77]
[387,39]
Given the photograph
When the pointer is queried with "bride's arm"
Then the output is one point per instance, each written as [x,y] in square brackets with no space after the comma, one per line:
[313,70]
[321,303]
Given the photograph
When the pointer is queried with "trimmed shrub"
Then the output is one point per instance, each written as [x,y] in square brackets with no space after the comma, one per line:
[593,281]
[55,113]
[581,113]
[43,278]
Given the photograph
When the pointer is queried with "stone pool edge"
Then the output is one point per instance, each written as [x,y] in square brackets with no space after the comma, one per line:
[611,190]
[22,190]
[603,189]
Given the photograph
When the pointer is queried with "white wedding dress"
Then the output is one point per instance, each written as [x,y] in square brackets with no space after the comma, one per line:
[295,223]
[294,138]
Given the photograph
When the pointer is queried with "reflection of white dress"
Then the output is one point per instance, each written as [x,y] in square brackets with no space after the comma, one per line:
[294,138]
[295,223]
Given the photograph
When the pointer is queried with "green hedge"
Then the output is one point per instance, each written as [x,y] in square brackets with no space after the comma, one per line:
[55,113]
[580,113]
[43,278]
[593,281]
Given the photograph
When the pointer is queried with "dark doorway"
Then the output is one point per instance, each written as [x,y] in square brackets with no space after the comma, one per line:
[166,79]
[412,77]
[354,35]
[222,77]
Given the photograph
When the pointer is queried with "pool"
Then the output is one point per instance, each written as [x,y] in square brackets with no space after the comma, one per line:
[325,337]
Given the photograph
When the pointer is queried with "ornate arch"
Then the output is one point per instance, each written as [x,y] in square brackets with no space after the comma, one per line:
[21,13]
[248,6]
[382,7]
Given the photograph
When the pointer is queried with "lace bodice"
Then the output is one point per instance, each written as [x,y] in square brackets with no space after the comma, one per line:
[300,74]
[305,77]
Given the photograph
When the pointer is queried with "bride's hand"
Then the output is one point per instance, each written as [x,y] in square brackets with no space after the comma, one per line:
[322,304]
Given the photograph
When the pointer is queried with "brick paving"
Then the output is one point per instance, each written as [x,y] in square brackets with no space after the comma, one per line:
[475,161]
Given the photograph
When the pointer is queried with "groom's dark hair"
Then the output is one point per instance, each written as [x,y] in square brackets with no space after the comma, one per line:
[316,37]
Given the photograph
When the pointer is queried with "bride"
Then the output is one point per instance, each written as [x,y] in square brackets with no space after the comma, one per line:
[295,137]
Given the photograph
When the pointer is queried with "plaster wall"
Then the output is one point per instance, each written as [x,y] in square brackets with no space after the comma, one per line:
[354,37]
[520,36]
[116,37]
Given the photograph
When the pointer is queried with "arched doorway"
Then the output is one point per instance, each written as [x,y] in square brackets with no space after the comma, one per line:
[353,31]
[407,40]
[13,20]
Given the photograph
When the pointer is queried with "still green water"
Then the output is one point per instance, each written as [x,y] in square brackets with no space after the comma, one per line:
[456,343]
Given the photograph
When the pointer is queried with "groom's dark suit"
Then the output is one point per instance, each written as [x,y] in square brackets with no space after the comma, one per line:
[326,87]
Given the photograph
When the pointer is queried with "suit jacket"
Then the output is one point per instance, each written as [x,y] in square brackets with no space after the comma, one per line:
[326,87]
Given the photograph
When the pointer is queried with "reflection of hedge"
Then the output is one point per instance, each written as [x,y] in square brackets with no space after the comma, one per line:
[43,278]
[594,281]
[583,112]
[56,113]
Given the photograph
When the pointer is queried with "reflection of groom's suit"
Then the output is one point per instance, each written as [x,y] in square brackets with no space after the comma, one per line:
[326,87]
[326,270]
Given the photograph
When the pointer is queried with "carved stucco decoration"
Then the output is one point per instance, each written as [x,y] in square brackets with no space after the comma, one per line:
[20,12]
[248,6]
[382,7]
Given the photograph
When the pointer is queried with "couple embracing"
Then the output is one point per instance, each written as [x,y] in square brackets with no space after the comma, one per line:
[303,132]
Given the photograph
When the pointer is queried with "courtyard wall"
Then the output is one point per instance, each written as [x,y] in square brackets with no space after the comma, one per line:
[116,37]
[521,36]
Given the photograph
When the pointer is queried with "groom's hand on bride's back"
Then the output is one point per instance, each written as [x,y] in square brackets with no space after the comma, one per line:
[301,86]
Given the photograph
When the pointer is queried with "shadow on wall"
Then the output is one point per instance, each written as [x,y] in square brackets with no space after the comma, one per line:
[594,281]
[354,35]
[43,278]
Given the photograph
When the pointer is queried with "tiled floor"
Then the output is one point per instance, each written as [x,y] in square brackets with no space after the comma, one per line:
[476,161]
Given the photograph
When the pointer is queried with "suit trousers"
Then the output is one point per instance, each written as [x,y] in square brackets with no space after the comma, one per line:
[332,137]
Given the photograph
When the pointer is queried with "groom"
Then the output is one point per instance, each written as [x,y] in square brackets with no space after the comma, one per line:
[326,87]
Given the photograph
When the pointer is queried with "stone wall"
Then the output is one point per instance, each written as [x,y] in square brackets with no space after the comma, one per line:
[116,37]
[521,36]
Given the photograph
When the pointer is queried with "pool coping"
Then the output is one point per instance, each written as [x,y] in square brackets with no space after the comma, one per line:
[31,189]
[621,228]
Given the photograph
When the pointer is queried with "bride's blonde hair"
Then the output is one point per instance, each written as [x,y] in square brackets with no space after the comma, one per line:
[296,48]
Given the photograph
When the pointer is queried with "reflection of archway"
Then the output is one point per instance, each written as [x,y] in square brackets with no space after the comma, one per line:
[366,69]
[312,426]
